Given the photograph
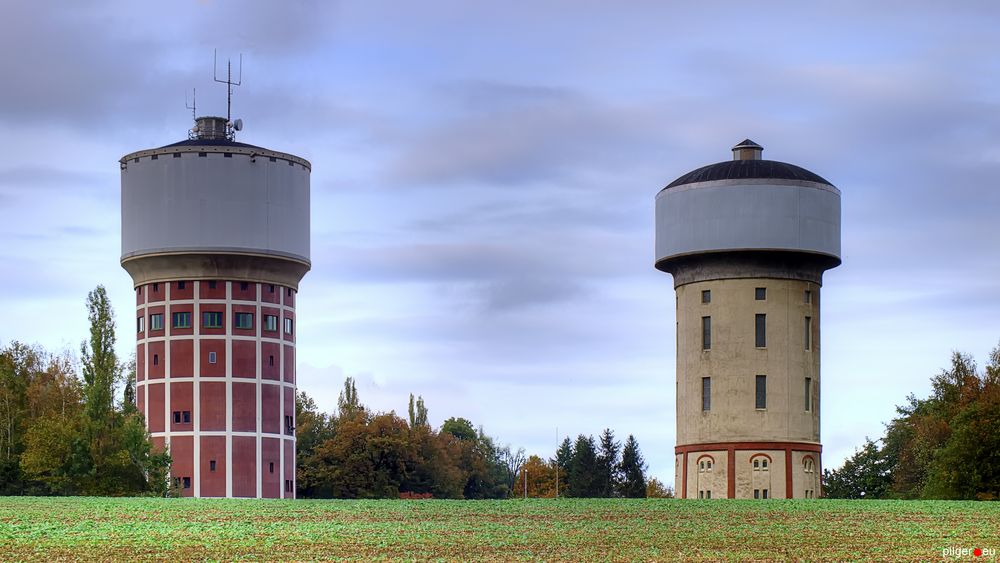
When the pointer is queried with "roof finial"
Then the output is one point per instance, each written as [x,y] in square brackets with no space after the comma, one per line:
[747,150]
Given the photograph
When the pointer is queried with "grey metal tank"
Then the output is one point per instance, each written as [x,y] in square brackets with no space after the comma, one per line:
[212,207]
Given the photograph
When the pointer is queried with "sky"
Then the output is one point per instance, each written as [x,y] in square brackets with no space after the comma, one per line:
[483,184]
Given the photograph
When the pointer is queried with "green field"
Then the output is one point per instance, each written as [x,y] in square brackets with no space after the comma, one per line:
[654,529]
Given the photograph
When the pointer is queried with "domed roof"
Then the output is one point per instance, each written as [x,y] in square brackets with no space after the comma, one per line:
[748,165]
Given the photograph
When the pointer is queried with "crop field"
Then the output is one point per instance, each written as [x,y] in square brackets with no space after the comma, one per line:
[576,530]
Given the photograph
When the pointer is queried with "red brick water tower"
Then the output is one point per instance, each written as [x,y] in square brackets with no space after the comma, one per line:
[215,234]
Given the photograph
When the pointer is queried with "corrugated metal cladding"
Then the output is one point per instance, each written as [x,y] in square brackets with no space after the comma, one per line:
[216,202]
[748,215]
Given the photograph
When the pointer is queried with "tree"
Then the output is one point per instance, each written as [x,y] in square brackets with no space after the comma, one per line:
[656,489]
[312,428]
[633,468]
[866,474]
[564,455]
[511,462]
[417,412]
[348,404]
[583,480]
[101,370]
[541,477]
[609,464]
[459,428]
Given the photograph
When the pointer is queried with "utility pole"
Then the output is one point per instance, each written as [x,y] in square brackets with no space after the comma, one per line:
[557,462]
[525,481]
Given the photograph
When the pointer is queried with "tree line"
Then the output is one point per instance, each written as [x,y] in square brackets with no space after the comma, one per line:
[945,446]
[66,435]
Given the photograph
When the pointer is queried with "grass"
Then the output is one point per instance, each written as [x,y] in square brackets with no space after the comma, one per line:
[576,530]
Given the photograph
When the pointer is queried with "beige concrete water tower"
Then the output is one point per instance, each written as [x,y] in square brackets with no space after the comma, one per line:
[747,241]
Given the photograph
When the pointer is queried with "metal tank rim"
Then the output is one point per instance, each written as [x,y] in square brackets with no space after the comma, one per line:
[248,150]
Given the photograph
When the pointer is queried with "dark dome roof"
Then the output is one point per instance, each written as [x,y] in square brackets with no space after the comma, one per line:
[210,143]
[747,169]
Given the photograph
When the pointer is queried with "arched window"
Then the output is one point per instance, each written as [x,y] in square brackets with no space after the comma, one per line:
[760,462]
[705,464]
[808,465]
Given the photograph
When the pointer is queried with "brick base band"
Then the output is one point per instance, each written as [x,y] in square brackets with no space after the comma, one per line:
[732,447]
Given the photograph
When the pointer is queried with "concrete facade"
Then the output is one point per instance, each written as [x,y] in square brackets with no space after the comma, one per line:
[747,255]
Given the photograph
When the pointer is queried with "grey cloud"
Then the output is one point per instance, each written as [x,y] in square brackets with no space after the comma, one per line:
[523,292]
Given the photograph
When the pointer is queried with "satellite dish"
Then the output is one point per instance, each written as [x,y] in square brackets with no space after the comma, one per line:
[238,125]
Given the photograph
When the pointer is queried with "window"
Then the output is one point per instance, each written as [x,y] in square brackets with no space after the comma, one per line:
[187,482]
[289,426]
[808,335]
[809,398]
[156,359]
[761,392]
[244,286]
[186,417]
[270,323]
[288,326]
[139,323]
[808,465]
[243,320]
[212,357]
[177,417]
[156,321]
[706,393]
[181,285]
[288,485]
[211,285]
[701,494]
[211,319]
[270,288]
[763,493]
[211,465]
[270,361]
[227,155]
[289,292]
[203,154]
[156,288]
[708,495]
[808,297]
[756,493]
[760,329]
[177,155]
[760,293]
[706,333]
[182,320]
[706,296]
[270,467]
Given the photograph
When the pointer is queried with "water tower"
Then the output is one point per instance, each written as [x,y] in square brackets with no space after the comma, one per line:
[215,234]
[747,242]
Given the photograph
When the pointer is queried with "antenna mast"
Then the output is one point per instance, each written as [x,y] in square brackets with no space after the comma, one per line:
[194,103]
[228,81]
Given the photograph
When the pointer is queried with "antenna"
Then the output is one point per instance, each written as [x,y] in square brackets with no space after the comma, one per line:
[228,81]
[194,103]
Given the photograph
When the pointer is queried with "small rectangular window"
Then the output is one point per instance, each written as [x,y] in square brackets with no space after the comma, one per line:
[761,392]
[203,154]
[701,494]
[706,333]
[760,330]
[139,323]
[270,361]
[244,286]
[154,157]
[764,493]
[187,482]
[181,285]
[272,159]
[271,288]
[186,417]
[177,155]
[708,495]
[177,417]
[288,326]
[760,293]
[156,288]
[212,357]
[227,155]
[243,321]
[706,296]
[809,398]
[289,292]
[211,285]
[706,393]
[182,320]
[756,493]
[211,465]
[211,319]
[156,321]
[156,359]
[271,323]
[808,335]
[270,467]
[808,298]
